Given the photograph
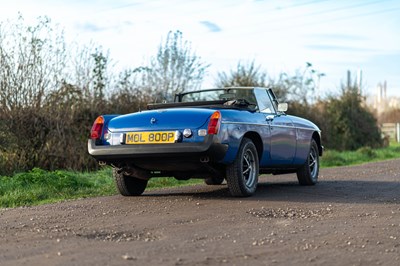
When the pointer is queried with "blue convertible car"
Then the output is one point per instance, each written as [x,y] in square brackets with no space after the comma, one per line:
[231,133]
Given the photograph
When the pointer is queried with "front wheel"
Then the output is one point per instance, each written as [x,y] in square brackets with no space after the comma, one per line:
[308,173]
[242,174]
[128,185]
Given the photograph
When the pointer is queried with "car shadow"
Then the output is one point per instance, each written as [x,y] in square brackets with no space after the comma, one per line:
[342,191]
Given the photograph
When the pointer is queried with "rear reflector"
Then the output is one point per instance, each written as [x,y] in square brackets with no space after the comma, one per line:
[215,121]
[97,128]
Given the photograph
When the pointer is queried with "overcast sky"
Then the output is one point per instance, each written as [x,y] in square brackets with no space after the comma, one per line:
[335,36]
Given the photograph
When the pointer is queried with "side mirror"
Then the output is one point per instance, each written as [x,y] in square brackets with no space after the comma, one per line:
[282,107]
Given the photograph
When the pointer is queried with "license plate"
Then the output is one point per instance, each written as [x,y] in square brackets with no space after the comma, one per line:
[150,137]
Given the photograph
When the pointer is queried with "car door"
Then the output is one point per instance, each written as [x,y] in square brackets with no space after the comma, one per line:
[282,130]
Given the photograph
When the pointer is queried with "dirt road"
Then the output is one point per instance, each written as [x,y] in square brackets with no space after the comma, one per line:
[352,217]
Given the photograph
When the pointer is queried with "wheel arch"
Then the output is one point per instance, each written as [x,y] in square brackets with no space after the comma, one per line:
[256,139]
[317,137]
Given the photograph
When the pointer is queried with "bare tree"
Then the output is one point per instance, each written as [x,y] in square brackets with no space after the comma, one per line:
[244,75]
[31,63]
[44,114]
[299,87]
[176,67]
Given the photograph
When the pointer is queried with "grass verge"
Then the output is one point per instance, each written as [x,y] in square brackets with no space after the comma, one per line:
[39,186]
[332,158]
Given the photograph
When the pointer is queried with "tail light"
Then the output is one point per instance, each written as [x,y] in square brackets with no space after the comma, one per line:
[215,121]
[97,128]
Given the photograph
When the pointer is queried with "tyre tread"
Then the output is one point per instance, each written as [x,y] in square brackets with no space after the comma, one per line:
[304,173]
[236,185]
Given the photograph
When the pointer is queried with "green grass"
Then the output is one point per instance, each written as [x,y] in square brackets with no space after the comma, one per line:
[38,186]
[333,158]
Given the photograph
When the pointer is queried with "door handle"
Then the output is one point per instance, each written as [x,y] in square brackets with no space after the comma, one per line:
[270,117]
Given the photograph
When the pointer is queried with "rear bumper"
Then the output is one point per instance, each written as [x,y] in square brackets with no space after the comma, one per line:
[216,151]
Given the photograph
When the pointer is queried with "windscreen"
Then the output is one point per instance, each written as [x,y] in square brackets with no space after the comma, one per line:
[219,94]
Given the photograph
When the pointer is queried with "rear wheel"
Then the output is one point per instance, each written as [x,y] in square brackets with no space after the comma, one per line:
[128,185]
[242,174]
[214,180]
[308,173]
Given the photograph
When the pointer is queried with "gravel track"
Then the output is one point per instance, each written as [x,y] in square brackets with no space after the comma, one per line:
[351,217]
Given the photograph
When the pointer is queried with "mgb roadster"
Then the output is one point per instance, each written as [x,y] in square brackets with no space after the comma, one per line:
[233,134]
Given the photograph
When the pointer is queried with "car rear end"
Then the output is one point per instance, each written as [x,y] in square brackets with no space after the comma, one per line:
[167,141]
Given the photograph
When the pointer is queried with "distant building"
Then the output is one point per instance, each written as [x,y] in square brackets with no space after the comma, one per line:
[381,102]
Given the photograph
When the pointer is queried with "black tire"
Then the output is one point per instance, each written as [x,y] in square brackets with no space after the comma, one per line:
[214,180]
[308,173]
[242,174]
[129,185]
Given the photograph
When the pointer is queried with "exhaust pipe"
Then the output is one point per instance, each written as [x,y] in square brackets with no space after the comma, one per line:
[205,159]
[136,172]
